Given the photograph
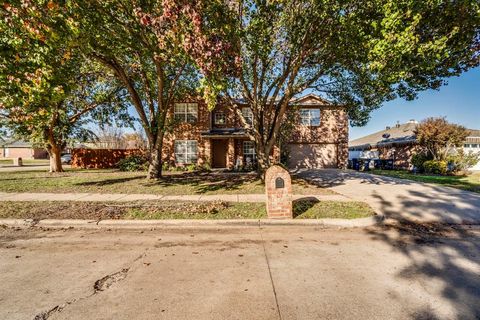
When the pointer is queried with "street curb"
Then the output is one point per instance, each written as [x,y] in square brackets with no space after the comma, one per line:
[188,223]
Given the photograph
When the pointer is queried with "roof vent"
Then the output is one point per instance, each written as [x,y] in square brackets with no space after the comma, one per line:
[387,128]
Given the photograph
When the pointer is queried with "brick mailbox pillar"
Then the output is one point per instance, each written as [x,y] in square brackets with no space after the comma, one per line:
[278,187]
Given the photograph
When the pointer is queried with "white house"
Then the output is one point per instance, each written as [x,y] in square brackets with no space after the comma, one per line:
[472,143]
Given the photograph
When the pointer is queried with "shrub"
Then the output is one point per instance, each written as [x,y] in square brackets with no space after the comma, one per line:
[191,167]
[204,167]
[435,166]
[461,161]
[133,163]
[165,166]
[418,160]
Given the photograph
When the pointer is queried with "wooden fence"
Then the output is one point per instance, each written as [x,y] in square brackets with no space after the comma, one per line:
[100,158]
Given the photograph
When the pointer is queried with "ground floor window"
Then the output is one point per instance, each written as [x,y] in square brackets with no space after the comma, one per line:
[249,153]
[186,151]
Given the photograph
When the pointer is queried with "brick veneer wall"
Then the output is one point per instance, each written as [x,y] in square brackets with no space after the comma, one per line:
[403,155]
[24,153]
[333,129]
[189,131]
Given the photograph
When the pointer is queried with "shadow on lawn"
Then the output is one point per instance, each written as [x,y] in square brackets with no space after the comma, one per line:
[207,182]
[108,182]
[302,205]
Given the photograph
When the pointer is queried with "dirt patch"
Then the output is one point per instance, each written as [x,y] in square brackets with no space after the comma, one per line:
[102,211]
[405,232]
[107,281]
[240,244]
[9,234]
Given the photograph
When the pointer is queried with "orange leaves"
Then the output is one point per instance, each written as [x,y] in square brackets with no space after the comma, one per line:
[51,5]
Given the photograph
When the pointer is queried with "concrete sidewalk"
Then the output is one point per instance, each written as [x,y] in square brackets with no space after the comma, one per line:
[119,197]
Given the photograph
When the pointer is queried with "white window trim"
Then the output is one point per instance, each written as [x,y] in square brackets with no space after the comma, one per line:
[310,117]
[183,114]
[216,114]
[190,156]
[247,115]
[253,152]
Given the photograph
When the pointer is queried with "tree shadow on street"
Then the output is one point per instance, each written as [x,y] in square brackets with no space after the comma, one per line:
[446,255]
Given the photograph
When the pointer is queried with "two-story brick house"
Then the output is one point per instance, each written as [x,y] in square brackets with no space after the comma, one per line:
[217,137]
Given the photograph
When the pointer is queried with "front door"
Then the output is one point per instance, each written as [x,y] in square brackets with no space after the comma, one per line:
[219,153]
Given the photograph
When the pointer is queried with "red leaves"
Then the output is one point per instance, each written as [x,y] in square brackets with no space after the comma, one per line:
[181,23]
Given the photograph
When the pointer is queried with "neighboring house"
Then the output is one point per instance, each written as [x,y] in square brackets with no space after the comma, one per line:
[399,143]
[21,149]
[472,144]
[218,139]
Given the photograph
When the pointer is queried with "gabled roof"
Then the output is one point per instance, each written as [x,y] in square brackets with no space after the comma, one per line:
[474,133]
[310,99]
[397,134]
[16,143]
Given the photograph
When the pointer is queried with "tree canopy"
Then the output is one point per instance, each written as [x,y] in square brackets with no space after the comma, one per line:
[48,89]
[355,53]
[161,51]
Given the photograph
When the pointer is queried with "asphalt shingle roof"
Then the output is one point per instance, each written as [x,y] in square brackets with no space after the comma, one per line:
[398,134]
[402,133]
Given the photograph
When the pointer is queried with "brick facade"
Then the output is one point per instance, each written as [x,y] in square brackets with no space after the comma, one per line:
[220,137]
[24,153]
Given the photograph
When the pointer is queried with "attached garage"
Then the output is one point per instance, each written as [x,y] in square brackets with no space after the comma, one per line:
[312,156]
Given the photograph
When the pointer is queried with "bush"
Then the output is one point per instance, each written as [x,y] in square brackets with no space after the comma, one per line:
[461,161]
[133,163]
[418,160]
[435,166]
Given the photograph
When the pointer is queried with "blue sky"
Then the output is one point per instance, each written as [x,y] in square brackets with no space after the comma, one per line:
[459,101]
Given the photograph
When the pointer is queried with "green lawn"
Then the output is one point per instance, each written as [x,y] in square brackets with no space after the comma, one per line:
[470,182]
[112,181]
[38,162]
[145,210]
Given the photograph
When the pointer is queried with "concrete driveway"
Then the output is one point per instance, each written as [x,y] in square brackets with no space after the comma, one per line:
[240,273]
[401,199]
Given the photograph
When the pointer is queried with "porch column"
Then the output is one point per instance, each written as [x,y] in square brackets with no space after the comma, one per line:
[205,153]
[231,153]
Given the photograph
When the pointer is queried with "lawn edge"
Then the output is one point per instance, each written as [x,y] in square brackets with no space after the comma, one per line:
[193,223]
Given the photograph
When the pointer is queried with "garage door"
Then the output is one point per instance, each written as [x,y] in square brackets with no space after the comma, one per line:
[312,156]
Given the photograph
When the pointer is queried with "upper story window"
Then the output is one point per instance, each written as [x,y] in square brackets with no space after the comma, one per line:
[186,151]
[310,117]
[220,118]
[186,112]
[248,115]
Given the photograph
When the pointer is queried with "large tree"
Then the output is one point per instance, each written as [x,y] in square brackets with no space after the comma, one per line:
[355,53]
[48,89]
[439,138]
[156,50]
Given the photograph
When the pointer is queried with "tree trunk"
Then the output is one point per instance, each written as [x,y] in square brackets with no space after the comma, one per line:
[155,162]
[54,152]
[263,160]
